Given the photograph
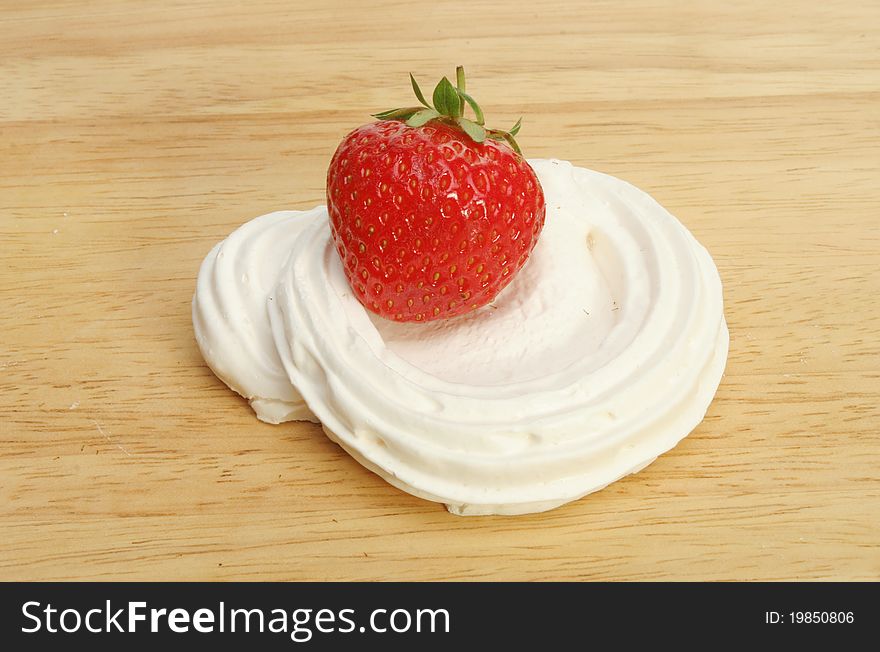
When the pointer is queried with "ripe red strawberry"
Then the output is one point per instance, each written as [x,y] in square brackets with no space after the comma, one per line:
[432,214]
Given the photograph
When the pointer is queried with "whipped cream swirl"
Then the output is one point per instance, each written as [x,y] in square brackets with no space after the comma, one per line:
[229,312]
[604,352]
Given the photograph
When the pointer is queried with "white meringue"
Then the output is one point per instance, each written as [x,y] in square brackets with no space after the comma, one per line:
[603,353]
[229,312]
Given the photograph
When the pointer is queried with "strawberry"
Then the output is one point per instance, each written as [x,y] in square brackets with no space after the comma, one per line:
[431,213]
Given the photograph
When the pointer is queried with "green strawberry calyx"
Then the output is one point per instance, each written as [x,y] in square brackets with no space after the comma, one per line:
[449,102]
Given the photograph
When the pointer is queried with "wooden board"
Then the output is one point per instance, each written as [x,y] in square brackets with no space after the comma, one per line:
[133,136]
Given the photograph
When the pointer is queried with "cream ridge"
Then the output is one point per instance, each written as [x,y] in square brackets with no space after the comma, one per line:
[603,353]
[229,312]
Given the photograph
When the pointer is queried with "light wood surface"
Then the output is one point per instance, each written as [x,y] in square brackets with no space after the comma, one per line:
[134,135]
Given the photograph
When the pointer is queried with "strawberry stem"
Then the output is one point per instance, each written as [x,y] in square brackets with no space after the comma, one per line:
[460,85]
[449,103]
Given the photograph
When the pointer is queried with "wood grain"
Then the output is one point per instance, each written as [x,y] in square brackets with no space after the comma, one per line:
[135,135]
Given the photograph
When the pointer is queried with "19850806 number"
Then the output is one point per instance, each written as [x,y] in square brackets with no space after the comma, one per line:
[808,617]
